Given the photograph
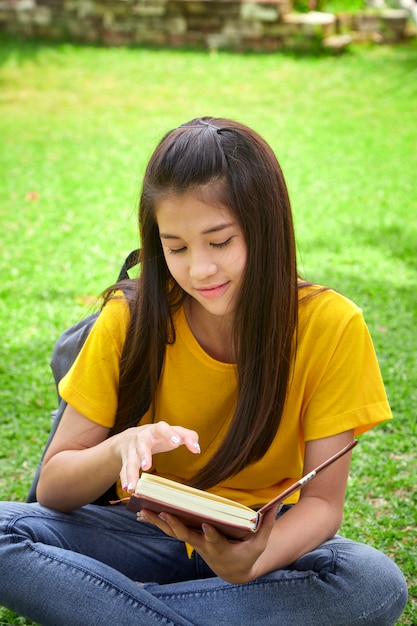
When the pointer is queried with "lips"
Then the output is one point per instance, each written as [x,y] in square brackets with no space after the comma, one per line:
[213,292]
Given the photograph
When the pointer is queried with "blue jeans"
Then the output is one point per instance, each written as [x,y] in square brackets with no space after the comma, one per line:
[83,568]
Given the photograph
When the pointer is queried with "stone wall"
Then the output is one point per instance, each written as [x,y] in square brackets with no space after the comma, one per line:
[263,25]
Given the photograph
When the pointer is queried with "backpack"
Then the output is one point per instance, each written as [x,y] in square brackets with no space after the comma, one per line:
[64,354]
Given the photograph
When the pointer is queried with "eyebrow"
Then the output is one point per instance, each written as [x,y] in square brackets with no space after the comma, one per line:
[214,229]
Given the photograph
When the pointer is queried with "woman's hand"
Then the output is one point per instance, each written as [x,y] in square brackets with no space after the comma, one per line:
[82,462]
[136,446]
[233,561]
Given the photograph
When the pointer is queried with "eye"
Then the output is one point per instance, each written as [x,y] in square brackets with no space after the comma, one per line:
[222,244]
[177,250]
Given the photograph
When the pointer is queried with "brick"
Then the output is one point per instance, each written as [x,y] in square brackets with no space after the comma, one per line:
[176,26]
[42,16]
[222,41]
[337,43]
[258,12]
[150,8]
[25,5]
[393,25]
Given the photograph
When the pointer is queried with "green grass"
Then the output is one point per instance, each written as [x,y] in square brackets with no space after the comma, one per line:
[77,125]
[332,6]
[343,6]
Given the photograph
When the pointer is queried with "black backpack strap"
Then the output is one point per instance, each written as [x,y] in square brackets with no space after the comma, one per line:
[131,260]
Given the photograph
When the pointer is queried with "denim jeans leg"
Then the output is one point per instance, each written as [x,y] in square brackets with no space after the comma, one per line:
[80,570]
[341,583]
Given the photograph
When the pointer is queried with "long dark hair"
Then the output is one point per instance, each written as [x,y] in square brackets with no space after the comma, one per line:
[249,182]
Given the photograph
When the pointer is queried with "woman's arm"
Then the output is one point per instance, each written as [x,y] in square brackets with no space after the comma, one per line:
[81,463]
[313,520]
[317,515]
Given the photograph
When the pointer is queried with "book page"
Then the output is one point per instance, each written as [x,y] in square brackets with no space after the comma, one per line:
[189,498]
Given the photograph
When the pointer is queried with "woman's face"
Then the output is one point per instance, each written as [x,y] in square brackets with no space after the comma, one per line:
[204,249]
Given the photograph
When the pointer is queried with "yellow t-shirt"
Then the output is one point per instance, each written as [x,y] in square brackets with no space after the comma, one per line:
[336,386]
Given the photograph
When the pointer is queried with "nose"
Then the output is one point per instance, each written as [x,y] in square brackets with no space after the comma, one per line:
[202,267]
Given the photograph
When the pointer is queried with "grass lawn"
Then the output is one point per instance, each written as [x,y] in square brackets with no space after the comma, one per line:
[77,125]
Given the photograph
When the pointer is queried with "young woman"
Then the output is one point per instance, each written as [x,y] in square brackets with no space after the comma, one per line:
[263,376]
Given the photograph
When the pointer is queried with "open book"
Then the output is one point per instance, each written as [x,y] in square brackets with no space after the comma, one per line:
[194,506]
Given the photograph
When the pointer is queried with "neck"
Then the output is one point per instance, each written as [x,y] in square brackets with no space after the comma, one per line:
[213,333]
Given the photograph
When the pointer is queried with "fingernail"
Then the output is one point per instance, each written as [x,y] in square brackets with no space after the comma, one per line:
[197,446]
[175,439]
[130,487]
[143,464]
[162,517]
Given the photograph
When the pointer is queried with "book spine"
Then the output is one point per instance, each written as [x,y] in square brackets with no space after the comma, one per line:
[305,479]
